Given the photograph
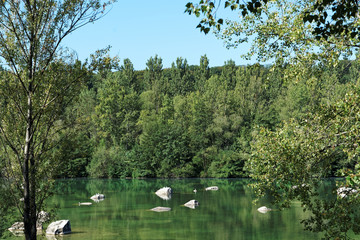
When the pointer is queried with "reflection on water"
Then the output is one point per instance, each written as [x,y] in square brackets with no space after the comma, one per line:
[125,213]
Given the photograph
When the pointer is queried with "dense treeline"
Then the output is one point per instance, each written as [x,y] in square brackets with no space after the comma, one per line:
[187,121]
[196,121]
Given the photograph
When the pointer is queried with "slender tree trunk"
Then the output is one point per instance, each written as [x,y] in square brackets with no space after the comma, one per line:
[29,177]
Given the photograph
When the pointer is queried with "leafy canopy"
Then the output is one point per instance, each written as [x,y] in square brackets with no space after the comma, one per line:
[280,29]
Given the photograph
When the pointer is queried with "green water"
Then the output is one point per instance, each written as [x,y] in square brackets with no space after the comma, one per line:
[124,214]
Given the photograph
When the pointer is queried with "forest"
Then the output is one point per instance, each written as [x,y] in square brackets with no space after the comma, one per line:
[198,121]
[188,121]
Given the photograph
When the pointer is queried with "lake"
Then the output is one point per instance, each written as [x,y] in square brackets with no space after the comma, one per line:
[125,212]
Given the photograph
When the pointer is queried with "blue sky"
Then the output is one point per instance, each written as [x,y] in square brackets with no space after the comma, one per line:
[140,29]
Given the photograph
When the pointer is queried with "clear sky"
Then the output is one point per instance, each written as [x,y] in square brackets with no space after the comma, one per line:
[140,29]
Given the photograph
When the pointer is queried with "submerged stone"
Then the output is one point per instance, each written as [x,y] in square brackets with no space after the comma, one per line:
[212,188]
[161,209]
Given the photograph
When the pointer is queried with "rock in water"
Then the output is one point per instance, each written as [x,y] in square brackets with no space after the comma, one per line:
[212,188]
[18,228]
[98,196]
[264,209]
[59,227]
[192,204]
[164,193]
[161,209]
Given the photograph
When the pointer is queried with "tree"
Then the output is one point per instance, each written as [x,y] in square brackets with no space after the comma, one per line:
[331,18]
[117,110]
[305,38]
[181,81]
[228,73]
[129,77]
[280,29]
[202,73]
[290,163]
[36,83]
[154,71]
[78,139]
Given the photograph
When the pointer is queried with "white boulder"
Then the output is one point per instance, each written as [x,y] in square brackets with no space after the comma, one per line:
[161,209]
[264,209]
[212,188]
[18,228]
[59,227]
[164,193]
[85,203]
[192,204]
[98,197]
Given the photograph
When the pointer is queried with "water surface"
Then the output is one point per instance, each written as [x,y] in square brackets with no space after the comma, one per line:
[125,213]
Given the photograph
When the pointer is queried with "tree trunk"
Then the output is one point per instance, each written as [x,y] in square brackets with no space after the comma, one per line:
[29,214]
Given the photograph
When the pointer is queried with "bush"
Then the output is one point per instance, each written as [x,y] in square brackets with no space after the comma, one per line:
[227,163]
[109,163]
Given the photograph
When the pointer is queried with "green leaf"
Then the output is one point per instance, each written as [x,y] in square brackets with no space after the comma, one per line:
[189,5]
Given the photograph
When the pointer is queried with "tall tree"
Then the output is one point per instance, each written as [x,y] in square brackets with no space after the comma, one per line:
[129,76]
[202,74]
[117,110]
[181,81]
[153,72]
[36,83]
[228,73]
